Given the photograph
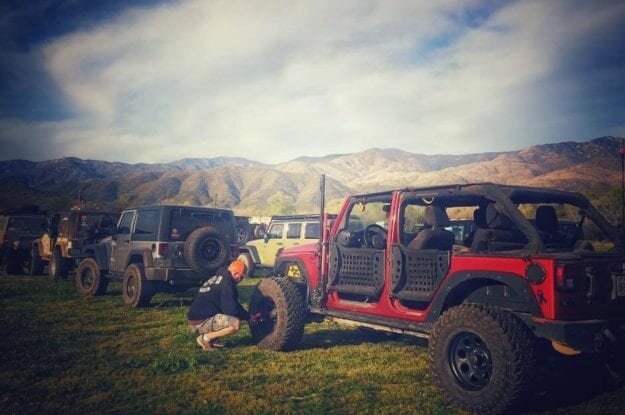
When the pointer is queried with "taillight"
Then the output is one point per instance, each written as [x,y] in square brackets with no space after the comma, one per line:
[565,278]
[163,250]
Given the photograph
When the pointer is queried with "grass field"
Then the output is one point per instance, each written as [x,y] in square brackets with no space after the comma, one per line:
[62,353]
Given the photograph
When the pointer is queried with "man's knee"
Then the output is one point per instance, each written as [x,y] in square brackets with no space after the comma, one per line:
[236,325]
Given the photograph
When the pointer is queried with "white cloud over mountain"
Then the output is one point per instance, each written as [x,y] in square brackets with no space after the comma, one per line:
[275,80]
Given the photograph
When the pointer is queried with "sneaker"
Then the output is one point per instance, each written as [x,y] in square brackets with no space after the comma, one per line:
[217,343]
[206,346]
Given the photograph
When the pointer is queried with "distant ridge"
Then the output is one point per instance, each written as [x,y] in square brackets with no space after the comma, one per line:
[246,185]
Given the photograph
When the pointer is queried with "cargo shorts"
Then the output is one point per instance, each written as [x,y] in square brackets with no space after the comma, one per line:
[214,323]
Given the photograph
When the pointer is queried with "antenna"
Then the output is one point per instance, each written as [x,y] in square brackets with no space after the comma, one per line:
[622,151]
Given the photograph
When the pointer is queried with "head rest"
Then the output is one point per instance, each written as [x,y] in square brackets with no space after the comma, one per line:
[546,218]
[436,217]
[496,219]
[479,217]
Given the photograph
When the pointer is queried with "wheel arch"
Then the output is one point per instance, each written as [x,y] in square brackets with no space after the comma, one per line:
[250,249]
[100,255]
[505,290]
[143,257]
[304,280]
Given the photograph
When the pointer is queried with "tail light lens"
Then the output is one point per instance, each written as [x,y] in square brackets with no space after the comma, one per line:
[163,250]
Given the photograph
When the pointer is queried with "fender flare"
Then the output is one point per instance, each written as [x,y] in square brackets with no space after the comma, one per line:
[304,280]
[250,249]
[475,286]
[146,257]
[100,255]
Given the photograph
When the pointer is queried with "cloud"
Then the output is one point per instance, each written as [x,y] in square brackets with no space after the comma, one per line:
[276,80]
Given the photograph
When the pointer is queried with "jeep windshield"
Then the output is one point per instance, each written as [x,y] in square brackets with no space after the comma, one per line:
[184,221]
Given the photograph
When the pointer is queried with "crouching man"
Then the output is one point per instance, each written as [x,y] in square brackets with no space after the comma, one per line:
[216,311]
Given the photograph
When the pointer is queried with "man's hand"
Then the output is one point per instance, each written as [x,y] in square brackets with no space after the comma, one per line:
[254,318]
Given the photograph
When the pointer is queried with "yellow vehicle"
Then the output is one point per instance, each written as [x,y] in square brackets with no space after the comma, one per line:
[283,232]
[69,232]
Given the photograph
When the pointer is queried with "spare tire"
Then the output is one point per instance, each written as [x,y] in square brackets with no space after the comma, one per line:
[205,251]
[284,299]
[259,231]
[242,233]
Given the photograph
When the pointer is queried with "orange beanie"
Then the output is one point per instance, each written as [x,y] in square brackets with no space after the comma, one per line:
[237,266]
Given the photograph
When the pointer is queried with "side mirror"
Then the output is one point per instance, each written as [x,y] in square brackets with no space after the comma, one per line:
[114,236]
[266,237]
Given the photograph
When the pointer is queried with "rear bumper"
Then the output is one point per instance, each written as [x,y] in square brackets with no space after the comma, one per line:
[588,336]
[174,276]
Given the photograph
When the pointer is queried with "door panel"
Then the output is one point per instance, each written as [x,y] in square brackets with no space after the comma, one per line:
[121,244]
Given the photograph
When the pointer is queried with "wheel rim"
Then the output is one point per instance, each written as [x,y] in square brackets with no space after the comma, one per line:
[87,278]
[264,327]
[211,249]
[240,235]
[130,287]
[470,361]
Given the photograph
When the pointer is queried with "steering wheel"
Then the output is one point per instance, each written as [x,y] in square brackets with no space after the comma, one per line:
[375,236]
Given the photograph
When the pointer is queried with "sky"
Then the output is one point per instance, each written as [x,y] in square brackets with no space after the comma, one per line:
[157,81]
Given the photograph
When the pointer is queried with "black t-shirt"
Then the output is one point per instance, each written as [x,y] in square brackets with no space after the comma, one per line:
[218,295]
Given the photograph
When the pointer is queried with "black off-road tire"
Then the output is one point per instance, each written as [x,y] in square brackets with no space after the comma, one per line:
[482,358]
[259,231]
[242,234]
[250,267]
[58,266]
[89,279]
[205,250]
[36,264]
[136,290]
[286,330]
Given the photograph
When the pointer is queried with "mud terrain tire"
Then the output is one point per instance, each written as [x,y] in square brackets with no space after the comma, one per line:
[58,266]
[205,251]
[136,290]
[242,234]
[36,264]
[89,279]
[286,330]
[482,358]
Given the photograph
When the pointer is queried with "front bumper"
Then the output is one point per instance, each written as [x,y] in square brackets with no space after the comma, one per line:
[588,336]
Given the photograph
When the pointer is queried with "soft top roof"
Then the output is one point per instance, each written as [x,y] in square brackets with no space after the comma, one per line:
[204,208]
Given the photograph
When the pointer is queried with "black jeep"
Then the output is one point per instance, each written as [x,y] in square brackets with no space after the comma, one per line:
[159,248]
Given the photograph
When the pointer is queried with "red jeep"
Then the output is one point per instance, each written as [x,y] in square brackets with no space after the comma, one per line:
[525,276]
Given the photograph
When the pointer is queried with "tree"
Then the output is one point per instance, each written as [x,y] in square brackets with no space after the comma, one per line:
[280,204]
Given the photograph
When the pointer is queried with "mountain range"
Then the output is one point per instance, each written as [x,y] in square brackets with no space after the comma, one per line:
[249,186]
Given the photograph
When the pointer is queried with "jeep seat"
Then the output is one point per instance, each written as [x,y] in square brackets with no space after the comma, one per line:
[548,226]
[432,236]
[500,233]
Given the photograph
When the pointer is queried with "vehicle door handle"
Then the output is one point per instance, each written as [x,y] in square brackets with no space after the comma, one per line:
[126,242]
[297,243]
[280,243]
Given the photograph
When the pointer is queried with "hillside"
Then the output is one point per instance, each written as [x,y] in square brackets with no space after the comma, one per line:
[246,186]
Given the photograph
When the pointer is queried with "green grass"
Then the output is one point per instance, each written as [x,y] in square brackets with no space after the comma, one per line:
[62,353]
